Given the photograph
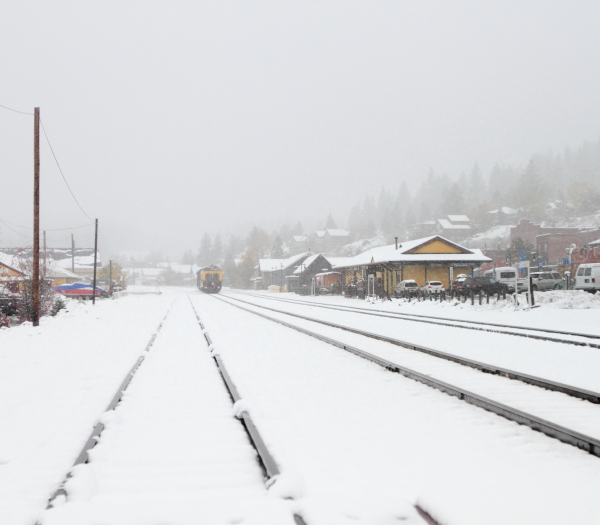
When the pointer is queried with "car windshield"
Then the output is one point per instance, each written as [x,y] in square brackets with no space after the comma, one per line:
[435,283]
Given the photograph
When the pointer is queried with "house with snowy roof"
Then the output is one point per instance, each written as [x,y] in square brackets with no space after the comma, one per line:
[455,227]
[432,258]
[273,272]
[329,240]
[11,277]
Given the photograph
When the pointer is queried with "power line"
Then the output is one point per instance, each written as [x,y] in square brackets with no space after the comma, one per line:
[61,171]
[18,233]
[54,155]
[6,223]
[15,110]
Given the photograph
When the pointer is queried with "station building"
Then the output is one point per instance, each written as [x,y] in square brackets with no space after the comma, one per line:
[429,259]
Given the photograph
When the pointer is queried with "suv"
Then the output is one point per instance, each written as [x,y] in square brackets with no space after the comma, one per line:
[409,285]
[546,281]
[483,284]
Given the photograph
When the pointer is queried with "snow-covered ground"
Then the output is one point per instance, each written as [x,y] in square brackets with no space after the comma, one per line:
[355,443]
[55,382]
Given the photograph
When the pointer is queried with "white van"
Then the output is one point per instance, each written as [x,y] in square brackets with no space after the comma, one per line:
[588,277]
[506,275]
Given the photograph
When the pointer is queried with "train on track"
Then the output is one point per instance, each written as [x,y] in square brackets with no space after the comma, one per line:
[209,279]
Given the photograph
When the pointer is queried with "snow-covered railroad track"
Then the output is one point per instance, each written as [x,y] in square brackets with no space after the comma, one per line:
[557,415]
[588,395]
[171,450]
[542,334]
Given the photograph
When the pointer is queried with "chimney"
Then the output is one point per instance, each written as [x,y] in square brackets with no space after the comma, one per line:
[396,242]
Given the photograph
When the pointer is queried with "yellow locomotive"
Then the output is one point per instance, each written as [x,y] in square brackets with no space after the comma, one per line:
[209,279]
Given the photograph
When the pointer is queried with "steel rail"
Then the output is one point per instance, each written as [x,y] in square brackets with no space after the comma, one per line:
[418,318]
[571,437]
[83,456]
[267,461]
[580,393]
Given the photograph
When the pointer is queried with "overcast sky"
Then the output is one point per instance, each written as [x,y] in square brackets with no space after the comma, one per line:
[174,118]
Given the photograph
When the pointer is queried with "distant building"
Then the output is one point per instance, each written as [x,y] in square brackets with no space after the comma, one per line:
[454,227]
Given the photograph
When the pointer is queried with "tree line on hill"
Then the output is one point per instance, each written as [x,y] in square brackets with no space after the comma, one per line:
[571,181]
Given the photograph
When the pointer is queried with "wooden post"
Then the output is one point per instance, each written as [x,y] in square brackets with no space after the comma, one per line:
[72,253]
[109,277]
[95,261]
[35,282]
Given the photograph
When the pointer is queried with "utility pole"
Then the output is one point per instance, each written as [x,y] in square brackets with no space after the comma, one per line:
[35,282]
[95,260]
[45,253]
[72,253]
[109,276]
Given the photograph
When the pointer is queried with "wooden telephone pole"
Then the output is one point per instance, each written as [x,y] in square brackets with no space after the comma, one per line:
[95,262]
[35,284]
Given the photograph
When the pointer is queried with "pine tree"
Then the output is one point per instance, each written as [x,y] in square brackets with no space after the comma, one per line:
[217,250]
[277,249]
[205,251]
[330,223]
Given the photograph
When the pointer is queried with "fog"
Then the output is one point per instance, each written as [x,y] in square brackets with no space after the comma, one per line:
[171,119]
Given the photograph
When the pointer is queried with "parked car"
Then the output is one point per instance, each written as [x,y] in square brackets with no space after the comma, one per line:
[432,287]
[483,284]
[588,277]
[457,284]
[543,281]
[408,285]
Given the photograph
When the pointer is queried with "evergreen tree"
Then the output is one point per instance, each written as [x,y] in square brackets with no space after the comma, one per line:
[205,251]
[355,219]
[217,250]
[245,270]
[453,202]
[297,229]
[188,257]
[475,186]
[532,191]
[330,223]
[258,242]
[277,249]
[285,233]
[229,269]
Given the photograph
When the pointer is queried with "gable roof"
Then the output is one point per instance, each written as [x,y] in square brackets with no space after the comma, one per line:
[458,218]
[8,262]
[337,232]
[271,265]
[447,225]
[412,251]
[308,261]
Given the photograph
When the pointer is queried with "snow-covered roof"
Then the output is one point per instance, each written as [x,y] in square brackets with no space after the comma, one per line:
[447,225]
[8,261]
[458,218]
[55,271]
[306,263]
[81,262]
[271,265]
[338,233]
[594,242]
[391,254]
[300,238]
[505,210]
[338,261]
[320,233]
